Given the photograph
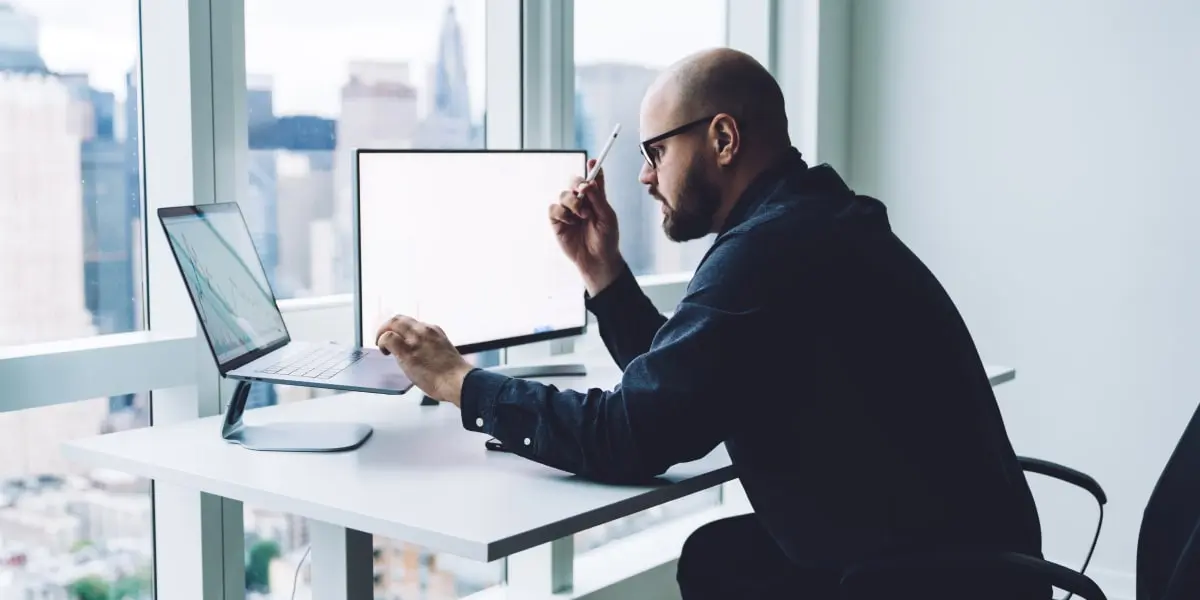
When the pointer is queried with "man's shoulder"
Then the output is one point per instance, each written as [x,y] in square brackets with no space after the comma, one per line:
[807,208]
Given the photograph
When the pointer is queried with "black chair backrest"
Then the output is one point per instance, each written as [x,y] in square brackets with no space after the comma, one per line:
[1168,551]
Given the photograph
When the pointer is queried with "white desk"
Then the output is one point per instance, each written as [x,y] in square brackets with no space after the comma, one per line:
[420,478]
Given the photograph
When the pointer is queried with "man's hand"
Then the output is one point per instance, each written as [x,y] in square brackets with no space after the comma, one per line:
[426,356]
[586,227]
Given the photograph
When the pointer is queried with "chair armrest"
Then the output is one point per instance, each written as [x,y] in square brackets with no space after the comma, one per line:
[1010,564]
[1062,473]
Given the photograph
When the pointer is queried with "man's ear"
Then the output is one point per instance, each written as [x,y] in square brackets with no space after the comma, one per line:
[727,139]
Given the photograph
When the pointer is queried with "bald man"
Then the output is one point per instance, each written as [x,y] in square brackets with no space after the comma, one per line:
[811,342]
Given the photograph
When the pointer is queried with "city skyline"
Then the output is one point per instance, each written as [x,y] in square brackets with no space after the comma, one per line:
[74,152]
[87,36]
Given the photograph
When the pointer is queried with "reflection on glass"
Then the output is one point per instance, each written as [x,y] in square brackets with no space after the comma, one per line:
[322,81]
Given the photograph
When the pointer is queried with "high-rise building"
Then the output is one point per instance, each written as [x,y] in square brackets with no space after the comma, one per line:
[305,191]
[378,110]
[447,123]
[260,101]
[41,213]
[19,41]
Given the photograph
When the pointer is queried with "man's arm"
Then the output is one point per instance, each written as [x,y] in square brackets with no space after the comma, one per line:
[628,319]
[672,404]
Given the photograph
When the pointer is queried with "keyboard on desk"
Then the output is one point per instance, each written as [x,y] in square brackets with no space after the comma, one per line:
[321,363]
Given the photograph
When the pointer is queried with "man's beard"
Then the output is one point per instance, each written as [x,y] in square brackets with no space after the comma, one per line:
[695,208]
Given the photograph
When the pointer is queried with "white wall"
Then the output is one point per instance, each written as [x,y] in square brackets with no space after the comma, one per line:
[1043,158]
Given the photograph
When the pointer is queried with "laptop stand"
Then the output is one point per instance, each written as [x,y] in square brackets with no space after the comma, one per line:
[288,437]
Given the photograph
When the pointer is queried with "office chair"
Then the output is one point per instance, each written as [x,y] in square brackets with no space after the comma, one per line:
[1168,546]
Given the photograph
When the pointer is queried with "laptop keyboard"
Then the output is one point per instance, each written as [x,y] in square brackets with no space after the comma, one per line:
[318,364]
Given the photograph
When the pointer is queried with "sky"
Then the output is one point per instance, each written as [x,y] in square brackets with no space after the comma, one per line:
[306,45]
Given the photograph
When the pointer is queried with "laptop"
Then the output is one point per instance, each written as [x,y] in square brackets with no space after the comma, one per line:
[238,314]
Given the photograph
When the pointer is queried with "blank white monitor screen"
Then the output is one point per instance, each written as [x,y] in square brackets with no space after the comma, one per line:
[462,240]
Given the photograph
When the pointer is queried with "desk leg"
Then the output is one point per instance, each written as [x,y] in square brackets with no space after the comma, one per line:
[342,563]
[542,571]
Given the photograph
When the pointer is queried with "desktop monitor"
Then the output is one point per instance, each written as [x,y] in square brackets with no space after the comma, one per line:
[462,239]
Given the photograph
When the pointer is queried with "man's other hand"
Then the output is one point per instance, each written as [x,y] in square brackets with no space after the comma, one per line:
[586,227]
[426,355]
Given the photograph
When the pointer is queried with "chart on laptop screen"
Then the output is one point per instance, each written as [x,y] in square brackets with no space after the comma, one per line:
[223,273]
[463,240]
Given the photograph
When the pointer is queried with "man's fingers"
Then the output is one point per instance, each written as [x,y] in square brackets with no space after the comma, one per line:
[575,207]
[560,217]
[594,193]
[399,324]
[389,343]
[599,174]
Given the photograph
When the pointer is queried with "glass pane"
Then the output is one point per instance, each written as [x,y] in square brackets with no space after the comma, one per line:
[69,531]
[611,74]
[70,201]
[322,82]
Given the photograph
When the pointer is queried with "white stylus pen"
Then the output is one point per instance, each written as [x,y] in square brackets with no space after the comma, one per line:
[591,176]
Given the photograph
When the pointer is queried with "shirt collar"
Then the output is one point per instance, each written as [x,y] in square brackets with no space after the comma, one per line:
[763,187]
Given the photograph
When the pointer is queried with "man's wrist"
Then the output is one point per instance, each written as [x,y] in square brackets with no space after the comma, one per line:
[597,278]
[452,386]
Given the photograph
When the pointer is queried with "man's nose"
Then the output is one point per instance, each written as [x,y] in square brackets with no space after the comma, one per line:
[647,175]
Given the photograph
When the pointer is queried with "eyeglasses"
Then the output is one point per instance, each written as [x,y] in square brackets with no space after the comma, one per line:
[651,154]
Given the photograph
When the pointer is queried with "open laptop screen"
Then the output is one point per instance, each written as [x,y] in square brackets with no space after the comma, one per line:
[226,280]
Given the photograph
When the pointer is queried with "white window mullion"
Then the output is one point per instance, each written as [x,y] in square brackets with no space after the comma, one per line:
[750,27]
[813,68]
[190,51]
[504,74]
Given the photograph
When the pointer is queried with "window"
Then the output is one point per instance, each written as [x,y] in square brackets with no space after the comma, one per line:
[70,200]
[620,47]
[323,80]
[68,530]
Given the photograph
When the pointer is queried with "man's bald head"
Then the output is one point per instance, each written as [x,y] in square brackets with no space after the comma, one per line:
[710,124]
[723,80]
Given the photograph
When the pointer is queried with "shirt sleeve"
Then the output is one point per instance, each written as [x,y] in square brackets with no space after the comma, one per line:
[671,405]
[628,319]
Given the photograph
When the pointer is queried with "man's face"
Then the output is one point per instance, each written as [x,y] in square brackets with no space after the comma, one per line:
[682,177]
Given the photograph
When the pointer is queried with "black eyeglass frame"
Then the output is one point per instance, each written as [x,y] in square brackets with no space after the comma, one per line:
[644,146]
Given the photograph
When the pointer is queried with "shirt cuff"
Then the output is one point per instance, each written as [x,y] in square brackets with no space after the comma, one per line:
[613,297]
[480,390]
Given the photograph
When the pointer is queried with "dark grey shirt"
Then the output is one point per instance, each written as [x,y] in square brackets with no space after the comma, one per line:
[828,360]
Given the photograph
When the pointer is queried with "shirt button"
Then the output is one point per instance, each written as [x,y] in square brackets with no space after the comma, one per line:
[528,441]
[479,422]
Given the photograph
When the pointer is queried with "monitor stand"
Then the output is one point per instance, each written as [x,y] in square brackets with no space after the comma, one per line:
[531,371]
[288,437]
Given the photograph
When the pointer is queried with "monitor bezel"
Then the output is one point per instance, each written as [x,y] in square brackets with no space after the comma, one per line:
[476,347]
[241,360]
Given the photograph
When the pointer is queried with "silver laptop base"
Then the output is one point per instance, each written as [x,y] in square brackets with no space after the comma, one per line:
[288,437]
